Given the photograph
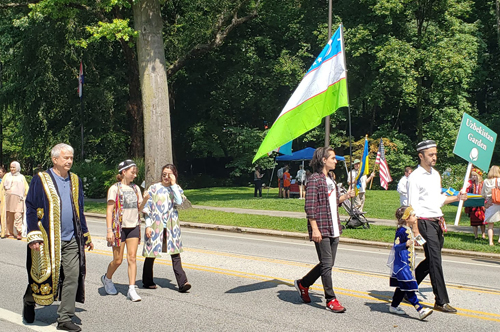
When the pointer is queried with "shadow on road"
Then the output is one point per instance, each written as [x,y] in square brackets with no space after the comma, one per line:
[383,307]
[48,314]
[258,286]
[165,283]
[291,296]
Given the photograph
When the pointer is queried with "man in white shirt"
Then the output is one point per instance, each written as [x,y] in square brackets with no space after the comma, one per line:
[402,187]
[424,195]
[359,200]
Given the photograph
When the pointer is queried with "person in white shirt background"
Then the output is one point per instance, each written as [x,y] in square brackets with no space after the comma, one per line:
[301,181]
[424,195]
[402,187]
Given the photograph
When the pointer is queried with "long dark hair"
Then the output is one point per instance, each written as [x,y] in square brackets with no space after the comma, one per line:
[317,159]
[170,167]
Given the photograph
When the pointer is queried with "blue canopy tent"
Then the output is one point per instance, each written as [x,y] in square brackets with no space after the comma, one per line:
[301,155]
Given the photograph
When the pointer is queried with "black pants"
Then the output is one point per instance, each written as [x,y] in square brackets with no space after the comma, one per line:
[258,187]
[399,295]
[432,264]
[147,271]
[327,250]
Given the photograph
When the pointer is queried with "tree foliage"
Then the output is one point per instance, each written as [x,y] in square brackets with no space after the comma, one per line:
[414,68]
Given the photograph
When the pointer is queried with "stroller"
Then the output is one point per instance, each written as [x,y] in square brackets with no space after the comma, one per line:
[356,217]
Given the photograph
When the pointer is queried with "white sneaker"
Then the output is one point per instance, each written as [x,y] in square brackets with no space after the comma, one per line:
[109,287]
[422,314]
[132,295]
[397,310]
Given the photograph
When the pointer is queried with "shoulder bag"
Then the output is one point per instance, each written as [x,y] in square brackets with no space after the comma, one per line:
[495,193]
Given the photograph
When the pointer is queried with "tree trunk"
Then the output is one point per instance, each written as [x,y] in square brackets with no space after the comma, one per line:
[134,104]
[154,88]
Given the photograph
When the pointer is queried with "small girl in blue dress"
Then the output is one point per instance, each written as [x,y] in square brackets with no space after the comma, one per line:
[402,263]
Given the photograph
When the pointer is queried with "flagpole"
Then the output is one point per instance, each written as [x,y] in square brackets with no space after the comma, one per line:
[81,122]
[327,118]
[348,105]
[80,92]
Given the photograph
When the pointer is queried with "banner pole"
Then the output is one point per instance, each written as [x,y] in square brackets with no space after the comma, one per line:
[461,203]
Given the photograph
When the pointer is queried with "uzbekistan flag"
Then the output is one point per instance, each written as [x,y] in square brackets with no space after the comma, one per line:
[320,93]
[80,81]
[363,166]
[385,175]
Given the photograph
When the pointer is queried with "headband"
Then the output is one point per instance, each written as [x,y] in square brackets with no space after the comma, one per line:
[408,212]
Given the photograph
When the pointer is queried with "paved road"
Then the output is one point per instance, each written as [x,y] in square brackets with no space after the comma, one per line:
[243,282]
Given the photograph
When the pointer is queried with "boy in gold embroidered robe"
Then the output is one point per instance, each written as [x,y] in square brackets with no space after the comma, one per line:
[57,237]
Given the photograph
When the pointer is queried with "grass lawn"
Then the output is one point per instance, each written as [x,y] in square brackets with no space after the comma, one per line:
[380,204]
[95,207]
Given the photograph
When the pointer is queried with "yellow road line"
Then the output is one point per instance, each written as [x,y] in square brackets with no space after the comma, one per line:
[343,291]
[343,270]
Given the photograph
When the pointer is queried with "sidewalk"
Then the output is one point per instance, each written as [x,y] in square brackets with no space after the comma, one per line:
[302,215]
[305,236]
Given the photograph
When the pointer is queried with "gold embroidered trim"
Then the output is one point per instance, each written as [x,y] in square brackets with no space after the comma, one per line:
[39,213]
[45,289]
[34,236]
[54,226]
[87,237]
[411,250]
[43,299]
[40,260]
[75,189]
[34,288]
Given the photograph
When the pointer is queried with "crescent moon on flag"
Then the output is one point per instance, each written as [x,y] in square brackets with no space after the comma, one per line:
[329,48]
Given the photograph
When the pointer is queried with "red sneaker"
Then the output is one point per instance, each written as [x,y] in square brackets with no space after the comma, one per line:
[303,291]
[335,306]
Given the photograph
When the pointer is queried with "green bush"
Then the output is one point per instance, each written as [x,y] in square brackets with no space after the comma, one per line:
[453,176]
[98,177]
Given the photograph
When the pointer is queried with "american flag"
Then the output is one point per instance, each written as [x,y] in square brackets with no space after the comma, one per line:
[385,175]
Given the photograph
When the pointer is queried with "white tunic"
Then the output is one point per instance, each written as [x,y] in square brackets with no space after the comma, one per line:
[424,193]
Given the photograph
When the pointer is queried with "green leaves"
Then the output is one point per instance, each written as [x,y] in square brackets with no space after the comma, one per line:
[116,30]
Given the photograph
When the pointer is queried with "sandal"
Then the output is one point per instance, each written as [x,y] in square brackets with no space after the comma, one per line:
[19,237]
[153,286]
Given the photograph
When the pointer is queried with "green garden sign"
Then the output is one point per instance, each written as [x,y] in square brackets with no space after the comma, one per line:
[475,142]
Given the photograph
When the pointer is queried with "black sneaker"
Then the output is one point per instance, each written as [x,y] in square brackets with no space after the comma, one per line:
[68,326]
[29,313]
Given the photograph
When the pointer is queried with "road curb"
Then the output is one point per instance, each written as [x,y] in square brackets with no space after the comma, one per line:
[303,236]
